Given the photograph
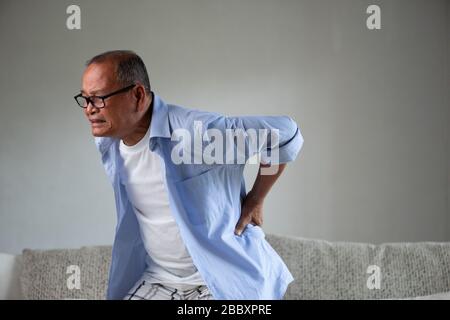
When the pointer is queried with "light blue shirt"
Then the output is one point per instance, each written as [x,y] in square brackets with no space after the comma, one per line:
[205,200]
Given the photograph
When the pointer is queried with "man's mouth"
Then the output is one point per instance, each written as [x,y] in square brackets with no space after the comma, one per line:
[96,123]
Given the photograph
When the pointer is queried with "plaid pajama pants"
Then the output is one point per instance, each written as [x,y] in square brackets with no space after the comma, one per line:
[156,291]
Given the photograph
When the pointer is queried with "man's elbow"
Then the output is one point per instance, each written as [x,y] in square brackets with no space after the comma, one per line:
[291,148]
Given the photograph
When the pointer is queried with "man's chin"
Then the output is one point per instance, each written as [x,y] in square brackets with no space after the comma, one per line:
[98,133]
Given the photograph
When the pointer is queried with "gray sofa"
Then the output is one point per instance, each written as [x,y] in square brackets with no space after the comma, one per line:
[322,270]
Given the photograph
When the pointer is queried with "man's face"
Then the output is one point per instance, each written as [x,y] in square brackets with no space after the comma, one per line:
[116,118]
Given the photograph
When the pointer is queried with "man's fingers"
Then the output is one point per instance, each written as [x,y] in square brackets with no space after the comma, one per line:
[257,222]
[243,221]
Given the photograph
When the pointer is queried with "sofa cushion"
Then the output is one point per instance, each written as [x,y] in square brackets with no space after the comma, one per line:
[322,270]
[52,274]
[436,296]
[338,270]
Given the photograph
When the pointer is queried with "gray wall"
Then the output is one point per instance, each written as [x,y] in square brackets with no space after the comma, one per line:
[447,102]
[373,107]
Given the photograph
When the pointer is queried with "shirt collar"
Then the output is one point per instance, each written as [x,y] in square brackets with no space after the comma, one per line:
[159,126]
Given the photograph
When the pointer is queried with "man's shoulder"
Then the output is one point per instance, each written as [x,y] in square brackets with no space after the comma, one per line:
[184,117]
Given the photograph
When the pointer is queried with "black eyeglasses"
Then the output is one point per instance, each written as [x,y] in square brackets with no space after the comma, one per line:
[98,101]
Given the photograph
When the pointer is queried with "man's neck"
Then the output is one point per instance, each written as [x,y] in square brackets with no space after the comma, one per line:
[141,129]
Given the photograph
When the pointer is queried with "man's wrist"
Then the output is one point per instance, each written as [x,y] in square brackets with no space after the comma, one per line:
[255,197]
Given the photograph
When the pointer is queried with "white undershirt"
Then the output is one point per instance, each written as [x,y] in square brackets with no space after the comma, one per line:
[168,260]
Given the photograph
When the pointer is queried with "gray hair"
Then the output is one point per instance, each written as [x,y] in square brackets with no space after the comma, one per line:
[129,67]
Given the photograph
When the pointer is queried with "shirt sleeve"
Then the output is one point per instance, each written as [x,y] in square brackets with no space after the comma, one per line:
[276,138]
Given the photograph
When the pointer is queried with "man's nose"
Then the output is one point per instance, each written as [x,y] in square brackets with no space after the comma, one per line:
[90,109]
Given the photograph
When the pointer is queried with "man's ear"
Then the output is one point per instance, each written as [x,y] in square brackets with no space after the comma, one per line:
[139,95]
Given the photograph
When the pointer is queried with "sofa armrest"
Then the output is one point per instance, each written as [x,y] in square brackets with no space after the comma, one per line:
[10,269]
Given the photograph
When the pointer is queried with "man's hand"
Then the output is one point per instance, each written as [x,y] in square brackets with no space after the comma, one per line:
[251,211]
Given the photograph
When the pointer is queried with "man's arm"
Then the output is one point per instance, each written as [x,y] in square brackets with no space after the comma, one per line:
[281,136]
[253,203]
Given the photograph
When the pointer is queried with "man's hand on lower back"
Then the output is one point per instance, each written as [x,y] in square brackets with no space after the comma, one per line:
[251,212]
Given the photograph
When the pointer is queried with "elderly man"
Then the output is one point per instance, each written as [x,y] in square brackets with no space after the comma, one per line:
[187,229]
